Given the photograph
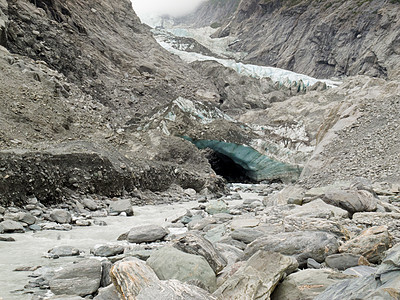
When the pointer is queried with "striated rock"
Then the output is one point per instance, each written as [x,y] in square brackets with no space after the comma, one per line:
[371,243]
[258,277]
[302,245]
[306,284]
[146,233]
[133,279]
[82,278]
[195,244]
[170,263]
[61,216]
[352,200]
[119,206]
[9,226]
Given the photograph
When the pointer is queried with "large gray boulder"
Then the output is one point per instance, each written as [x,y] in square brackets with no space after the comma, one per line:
[9,226]
[106,250]
[170,263]
[146,234]
[195,244]
[302,245]
[258,277]
[82,278]
[120,206]
[371,243]
[352,200]
[134,279]
[61,216]
[306,284]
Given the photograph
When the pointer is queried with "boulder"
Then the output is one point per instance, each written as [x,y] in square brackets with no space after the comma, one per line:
[133,279]
[258,277]
[106,250]
[352,200]
[246,235]
[306,284]
[146,234]
[170,263]
[371,243]
[195,244]
[318,209]
[89,204]
[82,278]
[343,261]
[9,226]
[302,245]
[119,206]
[217,207]
[244,222]
[62,251]
[61,216]
[27,218]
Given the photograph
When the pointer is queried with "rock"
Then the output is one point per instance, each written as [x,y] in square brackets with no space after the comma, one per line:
[371,243]
[302,245]
[61,251]
[246,235]
[313,264]
[306,284]
[199,224]
[360,271]
[6,239]
[9,226]
[244,222]
[119,206]
[146,234]
[352,200]
[217,207]
[55,226]
[216,234]
[391,262]
[258,277]
[61,216]
[343,261]
[83,223]
[318,209]
[89,204]
[190,192]
[170,263]
[195,244]
[105,273]
[133,279]
[107,293]
[35,227]
[107,250]
[27,218]
[82,278]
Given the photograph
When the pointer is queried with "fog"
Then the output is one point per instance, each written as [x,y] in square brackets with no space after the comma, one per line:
[175,8]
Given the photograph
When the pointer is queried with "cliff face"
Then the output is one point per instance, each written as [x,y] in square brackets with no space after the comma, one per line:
[213,12]
[319,38]
[103,47]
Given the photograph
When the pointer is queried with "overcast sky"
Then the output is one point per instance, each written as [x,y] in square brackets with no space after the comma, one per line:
[159,7]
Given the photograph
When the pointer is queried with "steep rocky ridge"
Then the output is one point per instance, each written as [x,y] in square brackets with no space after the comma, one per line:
[103,48]
[318,38]
[211,13]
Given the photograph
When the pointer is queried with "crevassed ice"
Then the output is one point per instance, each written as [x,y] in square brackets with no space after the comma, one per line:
[282,76]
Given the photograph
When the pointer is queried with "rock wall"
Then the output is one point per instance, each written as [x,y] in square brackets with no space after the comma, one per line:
[321,39]
[104,48]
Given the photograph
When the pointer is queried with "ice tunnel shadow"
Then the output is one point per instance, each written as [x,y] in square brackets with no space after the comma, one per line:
[227,168]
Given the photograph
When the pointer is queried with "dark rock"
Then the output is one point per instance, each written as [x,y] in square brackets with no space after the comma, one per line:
[146,234]
[105,273]
[107,250]
[302,245]
[313,264]
[82,278]
[6,239]
[195,244]
[61,251]
[344,261]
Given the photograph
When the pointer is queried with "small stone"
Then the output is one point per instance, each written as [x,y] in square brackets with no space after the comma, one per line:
[107,250]
[216,207]
[89,204]
[62,251]
[146,233]
[6,239]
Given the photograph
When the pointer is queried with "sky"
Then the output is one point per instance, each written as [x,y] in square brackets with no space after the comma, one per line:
[174,8]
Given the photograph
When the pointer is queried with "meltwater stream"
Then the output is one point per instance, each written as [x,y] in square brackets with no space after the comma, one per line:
[29,247]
